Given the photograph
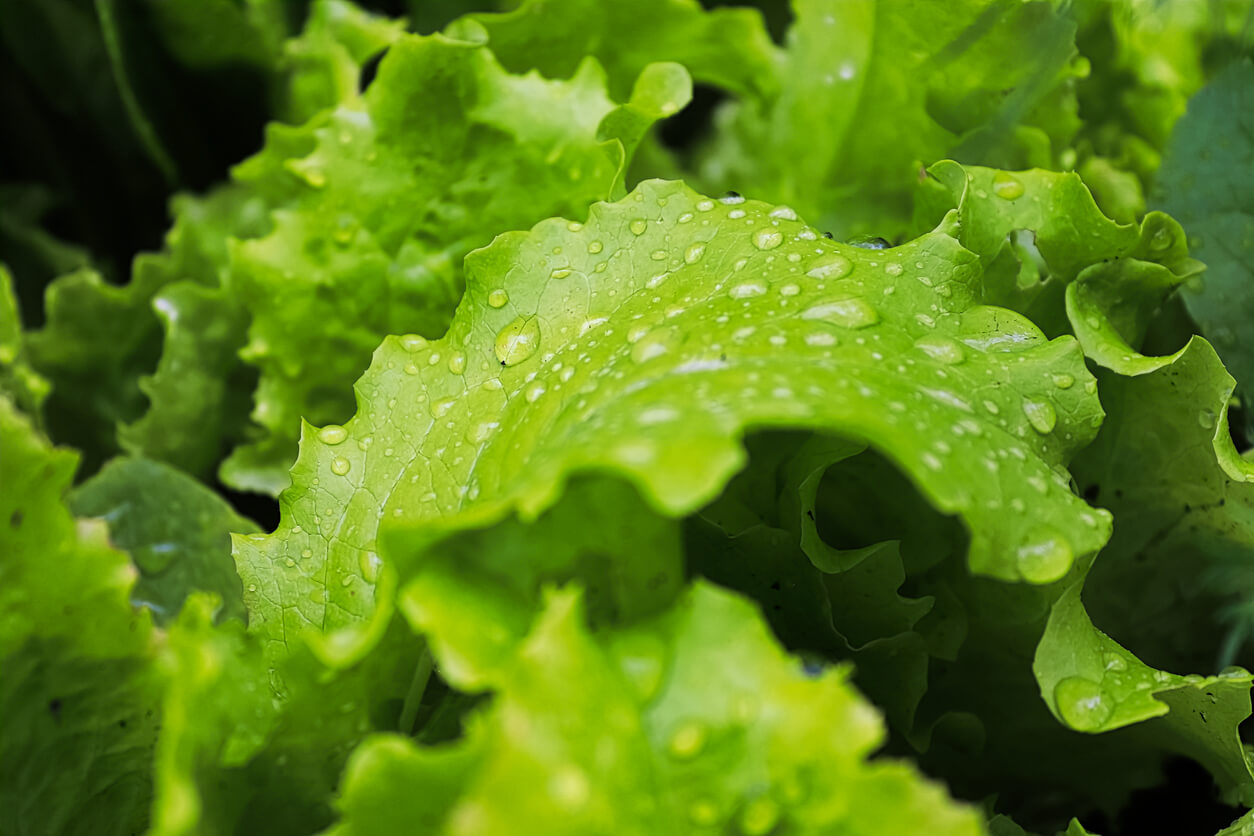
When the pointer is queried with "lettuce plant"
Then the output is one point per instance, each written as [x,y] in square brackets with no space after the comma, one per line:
[675,425]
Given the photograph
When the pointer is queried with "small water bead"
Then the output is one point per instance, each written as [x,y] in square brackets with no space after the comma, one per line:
[767,239]
[560,273]
[340,466]
[1006,186]
[830,267]
[694,253]
[847,313]
[1064,381]
[821,339]
[1046,557]
[1041,416]
[457,362]
[412,369]
[347,580]
[306,553]
[413,343]
[1162,239]
[688,740]
[498,298]
[252,587]
[941,349]
[654,344]
[638,226]
[705,205]
[789,290]
[441,407]
[784,212]
[731,199]
[1083,703]
[332,434]
[747,290]
[534,391]
[658,255]
[369,564]
[1206,418]
[481,432]
[893,268]
[1114,662]
[574,226]
[518,340]
[736,214]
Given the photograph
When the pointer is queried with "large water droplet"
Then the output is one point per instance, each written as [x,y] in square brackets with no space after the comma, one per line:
[595,247]
[340,466]
[560,273]
[1064,381]
[847,313]
[830,267]
[413,343]
[638,226]
[1006,187]
[1040,415]
[498,298]
[941,349]
[767,239]
[1083,704]
[747,290]
[694,253]
[518,340]
[1046,557]
[332,434]
[688,740]
[457,362]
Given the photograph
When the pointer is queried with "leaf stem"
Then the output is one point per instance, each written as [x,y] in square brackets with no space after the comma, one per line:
[417,687]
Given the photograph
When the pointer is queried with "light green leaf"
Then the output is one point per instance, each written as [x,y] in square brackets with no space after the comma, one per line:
[379,201]
[726,47]
[620,345]
[26,388]
[176,530]
[689,722]
[869,91]
[78,692]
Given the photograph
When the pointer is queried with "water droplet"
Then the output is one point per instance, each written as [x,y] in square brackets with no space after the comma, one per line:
[332,434]
[369,563]
[941,349]
[759,816]
[654,344]
[789,290]
[481,432]
[1064,381]
[658,255]
[638,226]
[595,247]
[518,340]
[413,343]
[347,580]
[252,587]
[731,198]
[705,205]
[534,391]
[1206,418]
[767,239]
[1006,187]
[688,740]
[893,268]
[694,253]
[821,338]
[747,290]
[1046,557]
[1162,239]
[457,362]
[560,273]
[574,226]
[306,553]
[847,313]
[1040,415]
[441,407]
[340,466]
[1082,703]
[830,267]
[498,298]
[1114,662]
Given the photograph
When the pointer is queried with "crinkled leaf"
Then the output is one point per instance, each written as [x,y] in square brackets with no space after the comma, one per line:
[18,381]
[687,723]
[868,91]
[1206,184]
[726,47]
[619,345]
[78,692]
[176,530]
[1092,684]
[379,202]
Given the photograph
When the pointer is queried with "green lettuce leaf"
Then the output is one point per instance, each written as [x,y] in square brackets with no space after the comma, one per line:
[18,381]
[382,201]
[1212,145]
[694,716]
[79,693]
[868,92]
[176,530]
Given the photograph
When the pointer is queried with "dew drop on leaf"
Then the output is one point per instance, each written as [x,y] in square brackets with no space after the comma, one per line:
[767,239]
[830,267]
[1045,558]
[498,298]
[847,313]
[340,466]
[1040,415]
[1006,186]
[332,434]
[518,340]
[1082,703]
